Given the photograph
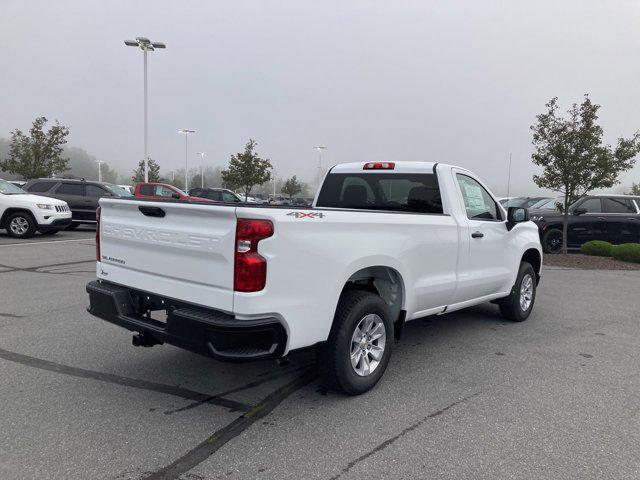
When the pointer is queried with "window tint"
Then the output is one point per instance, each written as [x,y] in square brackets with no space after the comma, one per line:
[95,191]
[618,205]
[41,186]
[212,195]
[382,191]
[229,197]
[164,191]
[591,205]
[70,189]
[477,201]
[147,190]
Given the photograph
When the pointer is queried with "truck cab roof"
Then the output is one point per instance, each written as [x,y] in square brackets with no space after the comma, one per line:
[400,167]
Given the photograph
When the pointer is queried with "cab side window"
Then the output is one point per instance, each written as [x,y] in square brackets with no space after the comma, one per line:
[477,201]
[591,205]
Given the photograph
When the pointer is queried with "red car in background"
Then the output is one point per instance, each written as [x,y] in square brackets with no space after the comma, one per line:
[162,191]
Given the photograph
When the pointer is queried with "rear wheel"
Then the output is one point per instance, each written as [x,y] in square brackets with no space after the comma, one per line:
[552,241]
[519,304]
[357,352]
[21,225]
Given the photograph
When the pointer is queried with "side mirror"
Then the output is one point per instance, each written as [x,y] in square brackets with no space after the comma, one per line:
[579,211]
[516,215]
[175,195]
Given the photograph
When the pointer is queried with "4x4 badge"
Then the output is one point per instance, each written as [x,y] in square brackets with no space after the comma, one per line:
[306,214]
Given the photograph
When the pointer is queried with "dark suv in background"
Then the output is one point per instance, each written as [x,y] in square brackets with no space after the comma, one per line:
[613,218]
[81,196]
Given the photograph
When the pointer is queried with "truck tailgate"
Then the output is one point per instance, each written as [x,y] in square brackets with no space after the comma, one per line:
[176,249]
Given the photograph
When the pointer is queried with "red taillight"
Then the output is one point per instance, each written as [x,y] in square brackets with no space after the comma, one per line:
[250,268]
[98,234]
[379,166]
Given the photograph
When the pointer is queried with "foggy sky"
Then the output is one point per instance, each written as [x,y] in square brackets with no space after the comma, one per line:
[453,82]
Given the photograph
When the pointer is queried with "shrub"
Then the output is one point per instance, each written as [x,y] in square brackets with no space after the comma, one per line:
[598,248]
[627,252]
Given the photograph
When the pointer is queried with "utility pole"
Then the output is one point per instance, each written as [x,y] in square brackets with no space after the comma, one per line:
[509,178]
[145,45]
[320,148]
[202,154]
[99,162]
[186,132]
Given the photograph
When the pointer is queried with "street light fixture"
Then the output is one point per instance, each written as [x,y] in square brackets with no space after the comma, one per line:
[320,148]
[202,154]
[145,45]
[186,132]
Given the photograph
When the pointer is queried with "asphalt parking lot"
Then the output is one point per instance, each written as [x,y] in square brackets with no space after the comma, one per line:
[466,395]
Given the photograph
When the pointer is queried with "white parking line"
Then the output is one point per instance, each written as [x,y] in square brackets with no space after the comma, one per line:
[42,243]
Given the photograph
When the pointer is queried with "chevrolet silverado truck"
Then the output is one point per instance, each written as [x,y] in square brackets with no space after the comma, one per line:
[384,243]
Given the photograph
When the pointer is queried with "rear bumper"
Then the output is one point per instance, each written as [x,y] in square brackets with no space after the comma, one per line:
[198,329]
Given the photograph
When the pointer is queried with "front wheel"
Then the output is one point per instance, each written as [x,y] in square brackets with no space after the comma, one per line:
[359,346]
[552,241]
[21,225]
[518,306]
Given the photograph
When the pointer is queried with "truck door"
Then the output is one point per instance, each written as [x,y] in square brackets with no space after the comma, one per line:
[487,266]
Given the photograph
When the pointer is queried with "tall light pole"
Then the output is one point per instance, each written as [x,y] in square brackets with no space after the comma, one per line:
[320,148]
[186,132]
[202,154]
[99,162]
[146,45]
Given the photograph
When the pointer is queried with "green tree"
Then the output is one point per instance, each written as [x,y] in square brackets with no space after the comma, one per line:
[634,190]
[153,173]
[291,187]
[573,157]
[246,169]
[40,153]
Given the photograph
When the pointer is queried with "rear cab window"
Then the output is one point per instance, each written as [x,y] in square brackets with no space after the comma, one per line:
[393,192]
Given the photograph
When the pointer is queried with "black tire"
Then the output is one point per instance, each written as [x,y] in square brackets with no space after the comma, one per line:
[334,356]
[49,232]
[72,226]
[21,225]
[552,241]
[512,307]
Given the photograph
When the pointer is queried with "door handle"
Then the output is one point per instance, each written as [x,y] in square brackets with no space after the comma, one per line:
[477,235]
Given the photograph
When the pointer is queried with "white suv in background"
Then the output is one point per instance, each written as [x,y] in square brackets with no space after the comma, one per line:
[22,214]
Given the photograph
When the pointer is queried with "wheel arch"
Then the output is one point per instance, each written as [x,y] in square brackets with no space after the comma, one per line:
[534,257]
[11,210]
[384,281]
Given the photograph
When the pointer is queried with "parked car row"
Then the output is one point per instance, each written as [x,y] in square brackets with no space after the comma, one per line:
[613,218]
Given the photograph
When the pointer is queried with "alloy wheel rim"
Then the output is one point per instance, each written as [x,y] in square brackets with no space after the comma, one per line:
[19,225]
[367,344]
[526,292]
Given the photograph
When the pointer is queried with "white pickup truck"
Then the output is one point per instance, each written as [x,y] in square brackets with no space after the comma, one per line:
[384,243]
